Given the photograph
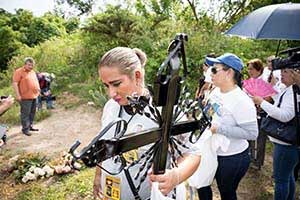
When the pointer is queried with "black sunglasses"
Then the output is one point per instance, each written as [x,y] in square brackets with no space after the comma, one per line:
[215,70]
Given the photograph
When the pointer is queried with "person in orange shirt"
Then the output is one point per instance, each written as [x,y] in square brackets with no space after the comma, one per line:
[26,86]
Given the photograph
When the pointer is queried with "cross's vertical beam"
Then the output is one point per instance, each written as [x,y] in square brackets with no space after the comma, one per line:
[160,159]
[171,86]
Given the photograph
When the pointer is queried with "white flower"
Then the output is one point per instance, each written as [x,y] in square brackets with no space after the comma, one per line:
[24,179]
[90,103]
[31,169]
[48,170]
[28,173]
[38,172]
[77,165]
[30,176]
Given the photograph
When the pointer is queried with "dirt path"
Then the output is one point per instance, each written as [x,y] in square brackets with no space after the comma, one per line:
[58,132]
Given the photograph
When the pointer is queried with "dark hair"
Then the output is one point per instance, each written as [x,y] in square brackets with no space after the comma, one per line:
[256,64]
[211,55]
[237,75]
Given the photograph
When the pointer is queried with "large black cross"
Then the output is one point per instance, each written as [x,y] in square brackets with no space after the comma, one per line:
[166,94]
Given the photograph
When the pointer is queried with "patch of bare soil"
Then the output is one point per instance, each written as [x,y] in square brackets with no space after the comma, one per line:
[58,132]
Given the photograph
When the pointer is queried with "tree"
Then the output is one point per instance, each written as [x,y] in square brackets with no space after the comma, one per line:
[9,44]
[82,7]
[23,28]
[234,10]
[41,29]
[71,24]
[156,11]
[193,5]
[114,23]
[21,20]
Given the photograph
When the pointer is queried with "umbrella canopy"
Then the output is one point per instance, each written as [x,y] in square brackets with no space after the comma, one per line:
[279,21]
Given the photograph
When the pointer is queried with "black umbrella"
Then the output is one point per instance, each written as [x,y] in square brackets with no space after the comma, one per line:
[279,21]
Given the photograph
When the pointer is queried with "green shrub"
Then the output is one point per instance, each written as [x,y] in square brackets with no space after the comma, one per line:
[73,58]
[98,95]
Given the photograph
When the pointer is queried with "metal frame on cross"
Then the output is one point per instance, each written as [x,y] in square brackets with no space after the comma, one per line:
[166,94]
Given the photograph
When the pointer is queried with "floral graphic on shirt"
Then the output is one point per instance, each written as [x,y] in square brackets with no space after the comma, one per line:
[213,106]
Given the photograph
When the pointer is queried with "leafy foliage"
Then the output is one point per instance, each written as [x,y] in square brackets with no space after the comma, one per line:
[98,95]
[21,29]
[72,24]
[42,29]
[115,24]
[73,56]
[8,45]
[81,6]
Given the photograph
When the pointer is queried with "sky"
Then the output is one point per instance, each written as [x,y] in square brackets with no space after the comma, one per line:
[38,7]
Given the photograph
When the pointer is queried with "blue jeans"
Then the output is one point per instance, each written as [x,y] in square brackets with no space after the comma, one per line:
[231,169]
[285,159]
[49,101]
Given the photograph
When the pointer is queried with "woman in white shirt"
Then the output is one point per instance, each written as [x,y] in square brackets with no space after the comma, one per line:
[121,70]
[285,156]
[234,116]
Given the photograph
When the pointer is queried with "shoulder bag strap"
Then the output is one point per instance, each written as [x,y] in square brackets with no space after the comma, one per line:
[280,99]
[131,185]
[118,126]
[295,89]
[126,171]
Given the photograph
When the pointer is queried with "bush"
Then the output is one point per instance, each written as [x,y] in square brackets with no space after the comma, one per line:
[73,58]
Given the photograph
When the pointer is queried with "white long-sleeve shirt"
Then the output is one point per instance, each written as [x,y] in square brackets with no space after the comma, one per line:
[235,114]
[279,86]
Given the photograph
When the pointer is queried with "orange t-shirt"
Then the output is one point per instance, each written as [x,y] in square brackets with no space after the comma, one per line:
[27,82]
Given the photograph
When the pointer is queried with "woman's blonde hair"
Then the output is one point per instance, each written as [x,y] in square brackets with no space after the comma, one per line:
[126,59]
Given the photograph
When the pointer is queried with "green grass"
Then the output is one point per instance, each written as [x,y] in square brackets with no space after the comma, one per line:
[70,186]
[79,90]
[12,116]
